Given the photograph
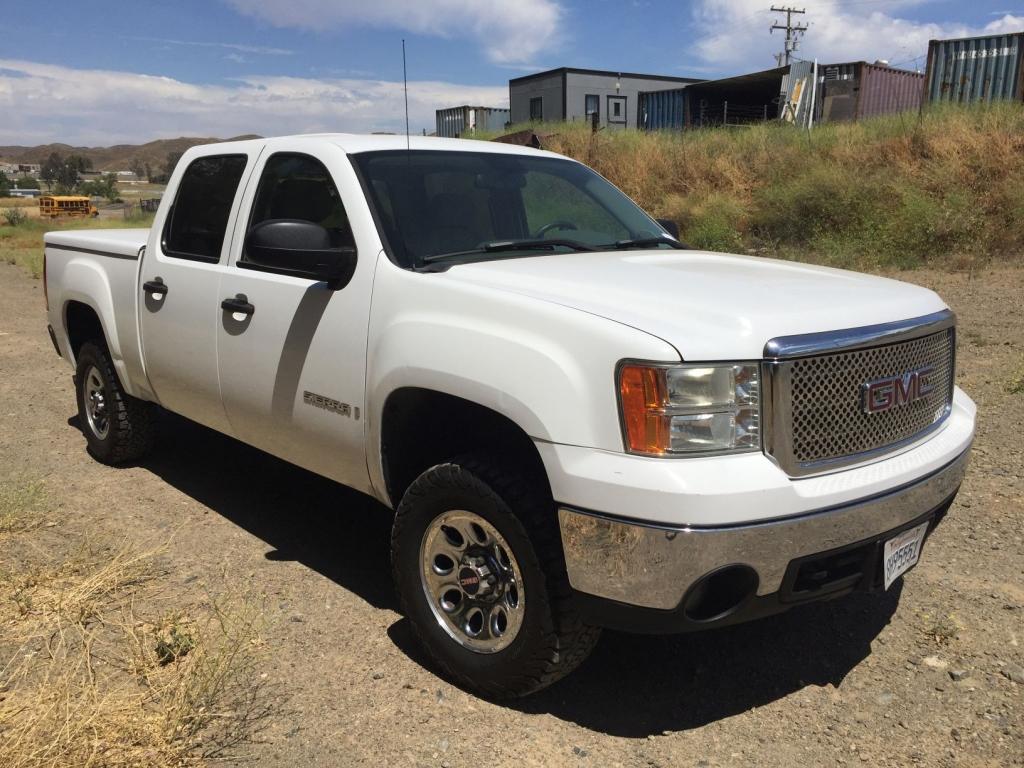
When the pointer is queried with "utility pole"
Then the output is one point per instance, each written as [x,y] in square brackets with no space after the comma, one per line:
[793,33]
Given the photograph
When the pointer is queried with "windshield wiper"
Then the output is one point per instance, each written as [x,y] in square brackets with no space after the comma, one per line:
[497,246]
[645,242]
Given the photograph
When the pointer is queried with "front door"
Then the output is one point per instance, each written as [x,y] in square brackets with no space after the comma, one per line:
[617,112]
[292,364]
[179,300]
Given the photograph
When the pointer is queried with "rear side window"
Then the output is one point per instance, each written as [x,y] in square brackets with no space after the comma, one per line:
[298,187]
[199,217]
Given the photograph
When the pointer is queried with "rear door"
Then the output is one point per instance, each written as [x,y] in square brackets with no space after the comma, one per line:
[292,371]
[179,289]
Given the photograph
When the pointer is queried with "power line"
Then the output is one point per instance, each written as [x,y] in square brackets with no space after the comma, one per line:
[793,34]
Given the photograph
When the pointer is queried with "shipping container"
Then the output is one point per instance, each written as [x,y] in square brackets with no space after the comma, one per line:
[857,90]
[663,110]
[976,69]
[456,122]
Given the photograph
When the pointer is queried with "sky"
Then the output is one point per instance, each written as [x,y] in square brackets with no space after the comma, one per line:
[102,73]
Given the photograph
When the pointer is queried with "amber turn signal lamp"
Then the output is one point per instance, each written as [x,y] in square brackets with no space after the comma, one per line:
[642,392]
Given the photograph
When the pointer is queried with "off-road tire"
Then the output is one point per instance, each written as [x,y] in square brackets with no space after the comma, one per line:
[132,421]
[552,640]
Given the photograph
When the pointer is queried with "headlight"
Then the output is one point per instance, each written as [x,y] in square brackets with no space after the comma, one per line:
[686,409]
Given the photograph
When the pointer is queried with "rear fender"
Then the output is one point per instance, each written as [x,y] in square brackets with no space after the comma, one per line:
[86,283]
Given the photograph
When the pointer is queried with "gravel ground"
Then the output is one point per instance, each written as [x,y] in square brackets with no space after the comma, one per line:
[930,673]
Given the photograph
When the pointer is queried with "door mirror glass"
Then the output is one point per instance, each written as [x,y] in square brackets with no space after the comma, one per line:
[300,249]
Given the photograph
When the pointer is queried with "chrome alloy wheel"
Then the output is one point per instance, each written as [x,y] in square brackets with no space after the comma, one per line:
[96,403]
[472,581]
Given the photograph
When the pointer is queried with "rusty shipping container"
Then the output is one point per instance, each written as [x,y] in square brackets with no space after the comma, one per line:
[858,90]
[976,69]
[887,91]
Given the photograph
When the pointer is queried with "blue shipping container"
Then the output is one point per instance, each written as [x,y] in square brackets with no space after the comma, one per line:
[663,110]
[976,69]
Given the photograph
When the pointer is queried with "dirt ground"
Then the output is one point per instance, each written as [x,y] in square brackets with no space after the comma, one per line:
[927,674]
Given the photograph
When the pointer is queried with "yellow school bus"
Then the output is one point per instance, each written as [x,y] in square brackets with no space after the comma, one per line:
[52,206]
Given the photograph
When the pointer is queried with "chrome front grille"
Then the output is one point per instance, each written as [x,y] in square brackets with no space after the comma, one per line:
[816,416]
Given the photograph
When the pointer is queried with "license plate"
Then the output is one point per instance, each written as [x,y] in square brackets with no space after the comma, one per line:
[902,552]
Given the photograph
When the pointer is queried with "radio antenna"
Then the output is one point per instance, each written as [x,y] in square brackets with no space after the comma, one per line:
[405,86]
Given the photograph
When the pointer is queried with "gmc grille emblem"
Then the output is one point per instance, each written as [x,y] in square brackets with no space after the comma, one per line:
[886,394]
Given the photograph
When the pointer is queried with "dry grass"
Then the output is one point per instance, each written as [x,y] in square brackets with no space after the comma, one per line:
[18,202]
[87,679]
[1015,382]
[945,188]
[21,502]
[23,245]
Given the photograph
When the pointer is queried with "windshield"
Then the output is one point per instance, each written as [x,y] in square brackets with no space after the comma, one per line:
[472,206]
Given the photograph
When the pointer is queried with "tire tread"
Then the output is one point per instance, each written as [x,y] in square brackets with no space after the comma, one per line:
[567,641]
[133,421]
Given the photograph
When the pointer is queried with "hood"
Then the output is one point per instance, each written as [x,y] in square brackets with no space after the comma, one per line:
[709,306]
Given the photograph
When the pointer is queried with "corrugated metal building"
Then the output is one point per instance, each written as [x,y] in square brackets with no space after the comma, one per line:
[456,122]
[730,101]
[976,69]
[856,90]
[664,110]
[569,94]
[847,91]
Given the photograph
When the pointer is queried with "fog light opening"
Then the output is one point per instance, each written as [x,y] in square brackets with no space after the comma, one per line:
[719,593]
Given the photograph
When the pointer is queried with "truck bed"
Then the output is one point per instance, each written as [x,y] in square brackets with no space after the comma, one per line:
[113,242]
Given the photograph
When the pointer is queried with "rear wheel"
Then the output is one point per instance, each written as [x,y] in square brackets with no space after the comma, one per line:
[118,427]
[480,573]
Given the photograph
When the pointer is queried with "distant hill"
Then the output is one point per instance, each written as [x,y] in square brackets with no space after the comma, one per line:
[116,158]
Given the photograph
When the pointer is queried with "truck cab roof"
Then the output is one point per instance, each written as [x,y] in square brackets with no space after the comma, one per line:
[353,143]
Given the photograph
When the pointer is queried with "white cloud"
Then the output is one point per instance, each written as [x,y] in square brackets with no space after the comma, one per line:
[46,103]
[736,38]
[510,32]
[263,50]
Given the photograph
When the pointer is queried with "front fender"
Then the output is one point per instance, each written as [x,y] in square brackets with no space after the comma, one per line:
[548,368]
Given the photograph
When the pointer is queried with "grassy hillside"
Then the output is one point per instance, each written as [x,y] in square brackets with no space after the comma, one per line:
[945,189]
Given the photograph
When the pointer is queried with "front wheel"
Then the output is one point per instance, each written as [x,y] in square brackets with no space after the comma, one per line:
[480,574]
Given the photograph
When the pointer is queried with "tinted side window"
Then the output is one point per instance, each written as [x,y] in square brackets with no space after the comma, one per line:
[299,187]
[199,217]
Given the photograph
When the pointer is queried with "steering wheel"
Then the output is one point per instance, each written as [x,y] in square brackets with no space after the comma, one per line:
[559,224]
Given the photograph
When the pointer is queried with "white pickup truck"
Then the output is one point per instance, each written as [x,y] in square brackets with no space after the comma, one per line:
[579,421]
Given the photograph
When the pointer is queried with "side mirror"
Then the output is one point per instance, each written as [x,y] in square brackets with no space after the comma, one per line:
[669,226]
[300,249]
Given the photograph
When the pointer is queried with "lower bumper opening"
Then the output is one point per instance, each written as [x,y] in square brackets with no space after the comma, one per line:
[720,593]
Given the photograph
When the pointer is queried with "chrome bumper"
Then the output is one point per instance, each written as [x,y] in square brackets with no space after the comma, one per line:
[654,566]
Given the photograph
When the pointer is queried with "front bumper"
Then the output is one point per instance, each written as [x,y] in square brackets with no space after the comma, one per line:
[615,564]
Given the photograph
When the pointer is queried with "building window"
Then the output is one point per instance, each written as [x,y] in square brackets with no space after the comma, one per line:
[537,108]
[592,105]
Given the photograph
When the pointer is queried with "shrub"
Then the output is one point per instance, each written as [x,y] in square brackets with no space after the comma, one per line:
[15,216]
[715,224]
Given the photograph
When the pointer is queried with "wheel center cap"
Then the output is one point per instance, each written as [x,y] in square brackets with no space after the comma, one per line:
[469,580]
